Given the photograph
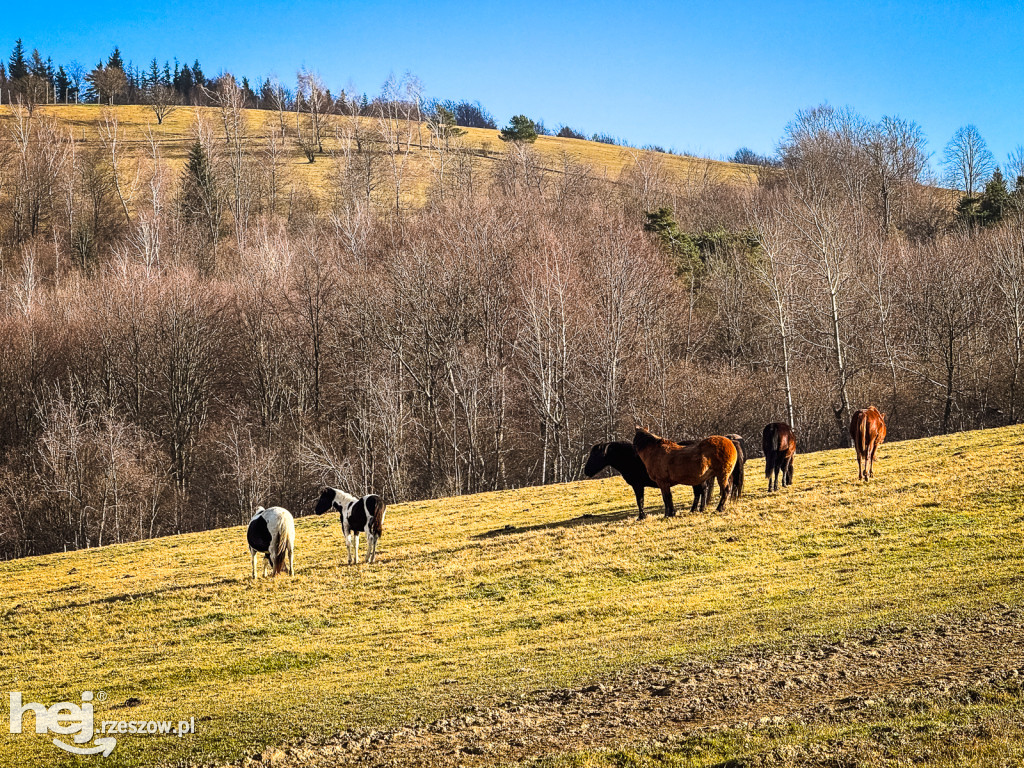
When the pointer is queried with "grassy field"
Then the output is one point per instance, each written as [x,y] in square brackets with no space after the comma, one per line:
[176,133]
[478,598]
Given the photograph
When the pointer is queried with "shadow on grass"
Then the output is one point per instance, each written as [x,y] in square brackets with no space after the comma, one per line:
[131,596]
[623,513]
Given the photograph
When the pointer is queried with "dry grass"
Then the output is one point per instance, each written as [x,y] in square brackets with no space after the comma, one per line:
[175,135]
[474,599]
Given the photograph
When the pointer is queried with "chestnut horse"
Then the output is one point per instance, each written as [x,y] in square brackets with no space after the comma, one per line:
[671,464]
[867,428]
[622,456]
[778,440]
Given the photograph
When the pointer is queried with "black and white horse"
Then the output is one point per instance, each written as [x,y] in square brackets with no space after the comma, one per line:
[272,533]
[365,515]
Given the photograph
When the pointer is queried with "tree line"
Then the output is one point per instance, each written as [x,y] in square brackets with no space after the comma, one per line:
[179,345]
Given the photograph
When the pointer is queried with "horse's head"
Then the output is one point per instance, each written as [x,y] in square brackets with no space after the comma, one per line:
[598,459]
[326,501]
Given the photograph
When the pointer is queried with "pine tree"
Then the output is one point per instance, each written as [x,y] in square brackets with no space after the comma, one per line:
[521,129]
[995,200]
[153,77]
[17,66]
[115,59]
[197,74]
[62,85]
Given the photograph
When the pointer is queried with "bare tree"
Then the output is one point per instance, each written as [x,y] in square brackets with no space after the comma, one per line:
[967,160]
[162,100]
[895,150]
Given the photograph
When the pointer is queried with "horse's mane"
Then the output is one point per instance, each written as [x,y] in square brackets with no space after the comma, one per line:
[340,495]
[643,439]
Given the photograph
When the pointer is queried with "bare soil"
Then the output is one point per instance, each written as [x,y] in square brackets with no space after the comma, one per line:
[950,658]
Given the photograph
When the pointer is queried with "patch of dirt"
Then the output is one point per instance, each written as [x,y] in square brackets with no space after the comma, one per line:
[948,658]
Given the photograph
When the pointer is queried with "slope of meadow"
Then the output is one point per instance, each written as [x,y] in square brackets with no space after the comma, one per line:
[479,599]
[137,125]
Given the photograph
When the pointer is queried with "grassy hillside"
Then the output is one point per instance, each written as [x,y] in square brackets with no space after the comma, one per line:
[175,135]
[479,598]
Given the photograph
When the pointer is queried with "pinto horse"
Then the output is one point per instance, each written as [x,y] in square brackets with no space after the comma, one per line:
[867,428]
[272,533]
[622,456]
[357,515]
[671,464]
[779,443]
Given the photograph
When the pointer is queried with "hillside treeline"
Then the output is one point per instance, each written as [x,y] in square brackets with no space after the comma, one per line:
[178,345]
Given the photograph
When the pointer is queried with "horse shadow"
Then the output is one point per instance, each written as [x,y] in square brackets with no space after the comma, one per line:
[624,513]
[132,596]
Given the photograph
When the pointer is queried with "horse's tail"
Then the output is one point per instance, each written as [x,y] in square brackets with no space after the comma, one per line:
[771,446]
[284,540]
[863,433]
[737,478]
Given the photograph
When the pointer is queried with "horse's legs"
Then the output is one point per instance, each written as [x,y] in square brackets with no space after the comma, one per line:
[639,491]
[698,497]
[723,490]
[787,472]
[666,495]
[356,548]
[871,469]
[254,554]
[773,478]
[348,544]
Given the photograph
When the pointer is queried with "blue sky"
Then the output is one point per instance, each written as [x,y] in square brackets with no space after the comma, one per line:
[705,77]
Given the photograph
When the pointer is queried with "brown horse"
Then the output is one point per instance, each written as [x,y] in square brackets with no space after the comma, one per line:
[671,464]
[867,428]
[778,440]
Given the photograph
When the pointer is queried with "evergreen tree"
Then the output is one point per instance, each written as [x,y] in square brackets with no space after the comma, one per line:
[444,125]
[197,74]
[185,83]
[995,200]
[165,78]
[115,59]
[520,128]
[62,84]
[153,76]
[17,66]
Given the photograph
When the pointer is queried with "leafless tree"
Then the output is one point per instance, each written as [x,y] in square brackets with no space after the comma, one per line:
[162,100]
[967,160]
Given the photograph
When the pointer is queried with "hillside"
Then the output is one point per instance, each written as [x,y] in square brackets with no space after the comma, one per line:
[176,134]
[481,600]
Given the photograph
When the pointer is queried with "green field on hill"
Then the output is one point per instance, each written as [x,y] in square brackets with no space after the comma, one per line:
[480,598]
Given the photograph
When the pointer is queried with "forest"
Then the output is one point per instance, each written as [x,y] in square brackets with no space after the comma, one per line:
[183,341]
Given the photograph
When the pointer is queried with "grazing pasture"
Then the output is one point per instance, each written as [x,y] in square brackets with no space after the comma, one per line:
[174,136]
[479,599]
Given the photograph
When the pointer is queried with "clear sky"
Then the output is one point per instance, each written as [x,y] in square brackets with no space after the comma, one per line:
[705,77]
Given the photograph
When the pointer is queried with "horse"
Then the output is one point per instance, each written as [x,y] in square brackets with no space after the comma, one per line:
[669,464]
[622,456]
[779,443]
[736,484]
[867,428]
[272,533]
[358,515]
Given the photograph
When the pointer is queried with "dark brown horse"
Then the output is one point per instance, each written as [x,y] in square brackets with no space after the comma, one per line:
[779,443]
[736,486]
[867,428]
[671,464]
[623,457]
